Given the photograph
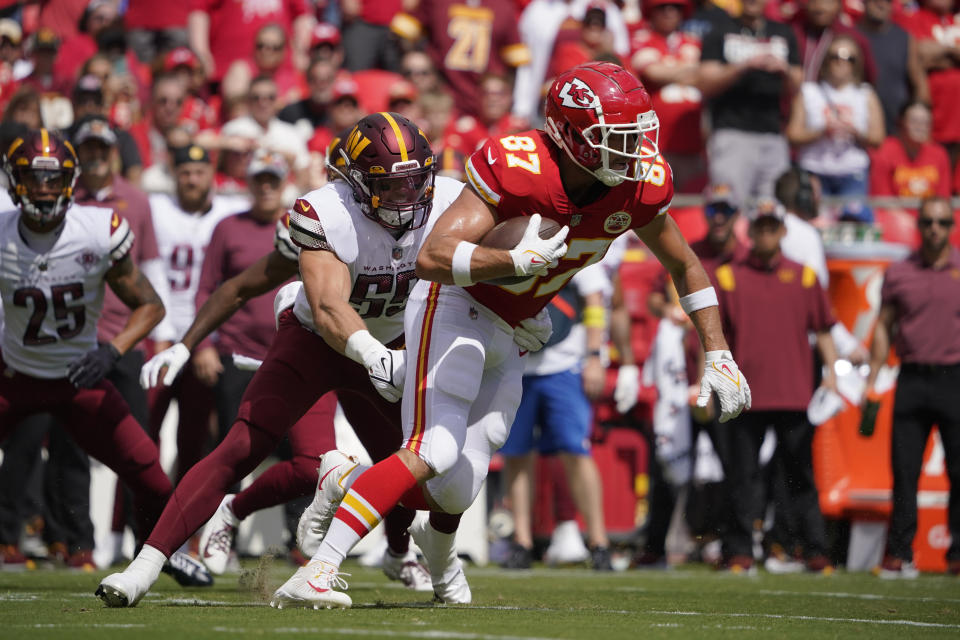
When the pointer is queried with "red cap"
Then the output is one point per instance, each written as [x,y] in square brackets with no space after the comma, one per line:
[179,57]
[324,33]
[345,88]
[403,90]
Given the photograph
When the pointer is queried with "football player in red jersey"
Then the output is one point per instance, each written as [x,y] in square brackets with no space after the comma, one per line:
[597,170]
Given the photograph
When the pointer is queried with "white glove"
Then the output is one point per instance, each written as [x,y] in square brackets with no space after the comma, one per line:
[628,387]
[173,358]
[721,375]
[533,255]
[386,373]
[531,334]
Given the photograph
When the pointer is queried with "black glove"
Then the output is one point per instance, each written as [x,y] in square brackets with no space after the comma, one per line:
[87,371]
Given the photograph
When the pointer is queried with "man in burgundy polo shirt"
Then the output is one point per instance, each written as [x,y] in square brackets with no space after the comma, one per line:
[920,297]
[97,148]
[768,304]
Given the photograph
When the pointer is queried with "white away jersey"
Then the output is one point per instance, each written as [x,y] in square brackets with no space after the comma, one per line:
[381,268]
[182,239]
[52,300]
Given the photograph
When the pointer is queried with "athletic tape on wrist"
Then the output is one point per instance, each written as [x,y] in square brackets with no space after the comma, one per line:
[699,300]
[359,344]
[460,265]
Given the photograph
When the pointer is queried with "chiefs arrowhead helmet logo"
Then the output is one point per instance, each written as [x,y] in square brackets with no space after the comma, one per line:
[577,95]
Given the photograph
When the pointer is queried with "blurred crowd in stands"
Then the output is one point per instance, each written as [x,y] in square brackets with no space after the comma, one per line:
[757,99]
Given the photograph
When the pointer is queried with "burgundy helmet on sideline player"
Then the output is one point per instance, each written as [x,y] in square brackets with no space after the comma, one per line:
[42,168]
[391,167]
[600,114]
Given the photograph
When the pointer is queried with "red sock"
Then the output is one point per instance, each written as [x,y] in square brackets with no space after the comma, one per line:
[374,494]
[413,499]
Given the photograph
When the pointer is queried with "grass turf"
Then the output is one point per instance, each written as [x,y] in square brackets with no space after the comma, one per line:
[686,602]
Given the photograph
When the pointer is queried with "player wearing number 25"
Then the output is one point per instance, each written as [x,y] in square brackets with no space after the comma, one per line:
[54,260]
[597,170]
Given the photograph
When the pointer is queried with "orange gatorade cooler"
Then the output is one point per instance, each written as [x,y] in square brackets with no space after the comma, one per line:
[852,470]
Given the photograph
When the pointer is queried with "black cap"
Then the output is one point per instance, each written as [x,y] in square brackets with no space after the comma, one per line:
[189,153]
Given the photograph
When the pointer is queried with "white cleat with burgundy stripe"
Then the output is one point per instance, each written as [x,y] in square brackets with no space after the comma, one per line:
[313,586]
[334,468]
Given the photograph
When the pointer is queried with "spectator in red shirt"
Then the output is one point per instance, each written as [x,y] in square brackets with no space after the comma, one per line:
[269,59]
[198,114]
[768,305]
[154,27]
[466,41]
[666,60]
[496,102]
[166,109]
[222,31]
[910,164]
[937,31]
[76,49]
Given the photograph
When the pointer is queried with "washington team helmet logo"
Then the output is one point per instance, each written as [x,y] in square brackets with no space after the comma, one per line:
[577,95]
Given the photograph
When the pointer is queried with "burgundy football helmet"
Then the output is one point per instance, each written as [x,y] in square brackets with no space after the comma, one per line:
[336,159]
[390,166]
[42,169]
[601,115]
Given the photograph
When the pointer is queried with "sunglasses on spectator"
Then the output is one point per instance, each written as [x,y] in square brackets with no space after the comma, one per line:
[168,100]
[417,72]
[926,223]
[844,55]
[268,46]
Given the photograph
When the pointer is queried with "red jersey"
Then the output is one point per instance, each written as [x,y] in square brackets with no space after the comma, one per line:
[234,25]
[520,176]
[894,173]
[155,16]
[466,40]
[677,106]
[945,83]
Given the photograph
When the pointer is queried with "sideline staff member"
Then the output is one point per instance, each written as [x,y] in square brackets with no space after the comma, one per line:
[921,297]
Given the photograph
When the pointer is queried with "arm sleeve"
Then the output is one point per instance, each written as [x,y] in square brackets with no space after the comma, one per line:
[282,241]
[121,238]
[483,172]
[306,232]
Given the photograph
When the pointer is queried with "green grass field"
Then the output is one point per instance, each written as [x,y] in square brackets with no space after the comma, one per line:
[686,602]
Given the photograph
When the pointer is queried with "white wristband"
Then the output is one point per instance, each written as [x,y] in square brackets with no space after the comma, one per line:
[699,300]
[460,265]
[360,344]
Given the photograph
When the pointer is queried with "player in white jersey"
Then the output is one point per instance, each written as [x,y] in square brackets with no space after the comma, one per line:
[55,258]
[184,223]
[312,434]
[359,238]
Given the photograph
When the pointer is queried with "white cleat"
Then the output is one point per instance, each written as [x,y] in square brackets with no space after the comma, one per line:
[407,570]
[566,545]
[454,591]
[313,586]
[446,569]
[216,541]
[334,467]
[121,590]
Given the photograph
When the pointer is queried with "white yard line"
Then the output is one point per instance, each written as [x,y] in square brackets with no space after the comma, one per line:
[858,596]
[777,616]
[380,633]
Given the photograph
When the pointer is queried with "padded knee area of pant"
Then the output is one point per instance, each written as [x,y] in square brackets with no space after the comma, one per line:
[454,491]
[460,371]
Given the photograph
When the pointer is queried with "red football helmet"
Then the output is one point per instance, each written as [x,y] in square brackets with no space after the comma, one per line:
[391,167]
[601,115]
[42,169]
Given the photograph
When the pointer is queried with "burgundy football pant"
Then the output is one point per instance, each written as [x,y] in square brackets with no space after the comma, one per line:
[100,422]
[298,369]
